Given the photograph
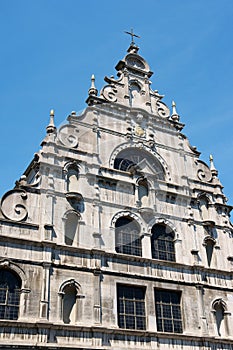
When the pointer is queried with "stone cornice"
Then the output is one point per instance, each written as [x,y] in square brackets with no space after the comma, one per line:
[102,329]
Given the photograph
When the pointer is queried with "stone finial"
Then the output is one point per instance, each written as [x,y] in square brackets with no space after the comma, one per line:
[93,90]
[213,170]
[51,127]
[175,116]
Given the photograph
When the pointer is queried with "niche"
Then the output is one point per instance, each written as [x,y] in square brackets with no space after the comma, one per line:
[71,228]
[143,192]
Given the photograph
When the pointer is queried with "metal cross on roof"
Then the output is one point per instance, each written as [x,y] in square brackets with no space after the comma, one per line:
[131,33]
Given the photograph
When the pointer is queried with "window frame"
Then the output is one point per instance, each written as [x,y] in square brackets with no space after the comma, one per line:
[168,312]
[162,244]
[10,296]
[131,307]
[126,241]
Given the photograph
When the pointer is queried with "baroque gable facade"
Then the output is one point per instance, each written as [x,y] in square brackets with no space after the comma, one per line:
[117,235]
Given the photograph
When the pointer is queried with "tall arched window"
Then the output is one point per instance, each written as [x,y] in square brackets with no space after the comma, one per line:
[127,233]
[69,301]
[209,243]
[10,287]
[162,243]
[70,305]
[219,310]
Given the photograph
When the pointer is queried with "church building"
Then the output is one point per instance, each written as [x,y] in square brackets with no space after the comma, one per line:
[117,235]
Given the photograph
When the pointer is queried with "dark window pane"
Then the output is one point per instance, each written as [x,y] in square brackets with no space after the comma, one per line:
[2,296]
[130,322]
[168,312]
[121,321]
[168,326]
[127,232]
[162,245]
[140,323]
[178,327]
[131,307]
[10,285]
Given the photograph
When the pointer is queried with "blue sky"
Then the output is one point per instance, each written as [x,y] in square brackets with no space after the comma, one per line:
[50,48]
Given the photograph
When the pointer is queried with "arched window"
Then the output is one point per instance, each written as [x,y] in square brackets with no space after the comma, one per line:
[136,98]
[162,243]
[72,179]
[71,228]
[70,307]
[219,310]
[127,233]
[10,287]
[209,243]
[138,160]
[69,301]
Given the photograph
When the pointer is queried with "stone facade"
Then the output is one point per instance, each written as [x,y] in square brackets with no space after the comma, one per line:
[117,236]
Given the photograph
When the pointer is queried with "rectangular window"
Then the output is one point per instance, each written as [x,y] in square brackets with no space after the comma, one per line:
[131,307]
[168,311]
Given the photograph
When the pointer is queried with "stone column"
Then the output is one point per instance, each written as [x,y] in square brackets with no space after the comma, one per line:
[97,221]
[44,303]
[47,213]
[178,250]
[60,306]
[23,303]
[146,246]
[97,296]
[201,308]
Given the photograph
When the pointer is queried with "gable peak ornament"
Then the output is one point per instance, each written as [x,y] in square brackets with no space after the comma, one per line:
[133,48]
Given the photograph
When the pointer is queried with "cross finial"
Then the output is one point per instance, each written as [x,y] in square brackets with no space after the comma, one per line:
[131,33]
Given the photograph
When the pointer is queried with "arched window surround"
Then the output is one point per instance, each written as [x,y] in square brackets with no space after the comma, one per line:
[220,312]
[137,148]
[77,308]
[71,170]
[24,290]
[164,221]
[209,243]
[134,218]
[162,243]
[172,230]
[143,191]
[204,203]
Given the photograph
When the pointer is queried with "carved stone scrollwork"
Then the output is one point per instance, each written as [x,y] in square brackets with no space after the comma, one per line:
[109,93]
[203,173]
[163,110]
[68,136]
[13,205]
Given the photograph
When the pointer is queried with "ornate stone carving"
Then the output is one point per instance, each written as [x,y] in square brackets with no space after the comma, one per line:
[109,93]
[13,205]
[203,172]
[68,135]
[163,110]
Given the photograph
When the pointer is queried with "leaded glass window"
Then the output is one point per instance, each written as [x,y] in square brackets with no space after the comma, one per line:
[131,307]
[162,243]
[133,159]
[168,311]
[127,235]
[10,286]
